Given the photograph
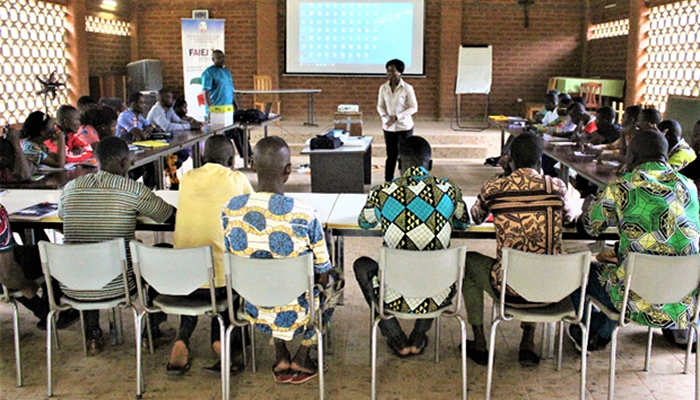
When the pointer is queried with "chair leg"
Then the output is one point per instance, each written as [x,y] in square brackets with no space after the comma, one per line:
[613,360]
[225,369]
[49,331]
[140,382]
[227,341]
[252,347]
[544,340]
[243,344]
[437,340]
[463,338]
[82,329]
[584,356]
[321,380]
[688,349]
[149,332]
[492,354]
[56,343]
[120,326]
[561,345]
[329,338]
[18,354]
[373,354]
[697,360]
[647,357]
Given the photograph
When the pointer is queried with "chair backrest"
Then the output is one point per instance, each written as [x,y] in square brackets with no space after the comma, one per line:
[262,82]
[175,272]
[421,274]
[552,84]
[544,278]
[592,93]
[648,276]
[84,266]
[270,282]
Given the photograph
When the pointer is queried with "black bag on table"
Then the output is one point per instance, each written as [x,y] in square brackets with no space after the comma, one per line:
[250,116]
[325,141]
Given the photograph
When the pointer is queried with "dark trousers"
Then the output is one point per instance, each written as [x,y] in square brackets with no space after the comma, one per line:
[189,323]
[393,141]
[366,269]
[600,323]
[236,135]
[27,257]
[548,164]
[148,172]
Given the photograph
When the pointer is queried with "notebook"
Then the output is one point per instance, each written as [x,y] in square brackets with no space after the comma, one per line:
[37,211]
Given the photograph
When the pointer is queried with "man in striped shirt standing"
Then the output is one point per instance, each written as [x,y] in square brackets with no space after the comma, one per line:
[104,206]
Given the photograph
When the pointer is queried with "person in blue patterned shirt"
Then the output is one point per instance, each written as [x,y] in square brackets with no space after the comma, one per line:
[268,224]
[416,212]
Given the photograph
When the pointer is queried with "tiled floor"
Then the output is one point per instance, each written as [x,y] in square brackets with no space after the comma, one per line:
[111,375]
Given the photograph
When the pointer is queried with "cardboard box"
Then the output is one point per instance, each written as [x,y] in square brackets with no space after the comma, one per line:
[350,122]
[221,115]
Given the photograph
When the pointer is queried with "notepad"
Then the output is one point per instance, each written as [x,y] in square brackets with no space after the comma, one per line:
[37,211]
[152,143]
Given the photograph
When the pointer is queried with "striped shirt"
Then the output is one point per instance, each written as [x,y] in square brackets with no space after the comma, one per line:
[104,206]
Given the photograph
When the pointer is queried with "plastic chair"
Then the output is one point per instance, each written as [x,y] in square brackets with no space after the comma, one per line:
[10,296]
[642,274]
[421,274]
[264,82]
[543,278]
[174,274]
[592,94]
[272,283]
[86,267]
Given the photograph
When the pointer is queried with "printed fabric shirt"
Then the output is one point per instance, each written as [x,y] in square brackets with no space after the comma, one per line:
[416,212]
[268,225]
[656,211]
[528,210]
[681,155]
[219,83]
[401,102]
[34,152]
[127,121]
[104,206]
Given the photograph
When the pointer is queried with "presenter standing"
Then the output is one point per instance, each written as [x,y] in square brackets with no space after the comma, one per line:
[218,91]
[396,104]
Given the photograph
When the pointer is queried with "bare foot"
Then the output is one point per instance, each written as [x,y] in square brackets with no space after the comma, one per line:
[216,346]
[180,354]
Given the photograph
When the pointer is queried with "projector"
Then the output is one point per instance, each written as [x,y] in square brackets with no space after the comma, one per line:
[348,108]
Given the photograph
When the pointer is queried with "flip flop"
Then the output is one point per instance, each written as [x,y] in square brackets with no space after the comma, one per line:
[284,376]
[394,346]
[236,368]
[421,345]
[302,377]
[177,370]
[528,358]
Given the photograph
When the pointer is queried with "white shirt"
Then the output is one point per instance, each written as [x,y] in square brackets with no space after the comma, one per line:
[167,121]
[549,116]
[401,102]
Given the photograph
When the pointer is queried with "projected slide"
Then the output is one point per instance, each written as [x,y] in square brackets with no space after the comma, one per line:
[326,37]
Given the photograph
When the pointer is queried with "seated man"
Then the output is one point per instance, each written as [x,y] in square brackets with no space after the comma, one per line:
[104,206]
[20,266]
[649,118]
[549,113]
[203,193]
[529,209]
[607,130]
[180,108]
[692,170]
[132,126]
[68,124]
[268,224]
[680,154]
[14,166]
[98,122]
[416,212]
[668,204]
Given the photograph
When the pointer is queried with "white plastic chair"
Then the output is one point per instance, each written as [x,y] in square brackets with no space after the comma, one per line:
[86,267]
[174,274]
[644,275]
[421,274]
[543,278]
[272,283]
[9,296]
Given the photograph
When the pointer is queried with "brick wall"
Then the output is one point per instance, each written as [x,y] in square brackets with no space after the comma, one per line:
[523,58]
[607,57]
[109,54]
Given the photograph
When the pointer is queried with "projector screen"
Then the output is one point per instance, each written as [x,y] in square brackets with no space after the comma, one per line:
[347,37]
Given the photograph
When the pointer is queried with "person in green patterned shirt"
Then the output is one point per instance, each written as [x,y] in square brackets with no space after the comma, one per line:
[656,211]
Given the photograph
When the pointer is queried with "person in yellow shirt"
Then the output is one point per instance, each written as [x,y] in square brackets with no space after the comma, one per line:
[203,194]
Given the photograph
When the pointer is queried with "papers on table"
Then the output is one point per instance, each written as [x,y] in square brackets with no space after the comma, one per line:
[46,168]
[152,143]
[558,139]
[563,144]
[37,211]
[581,154]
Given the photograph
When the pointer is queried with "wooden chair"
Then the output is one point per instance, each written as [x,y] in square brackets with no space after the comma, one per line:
[592,93]
[552,84]
[619,108]
[264,82]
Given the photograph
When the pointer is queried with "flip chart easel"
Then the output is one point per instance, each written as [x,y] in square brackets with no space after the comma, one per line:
[474,75]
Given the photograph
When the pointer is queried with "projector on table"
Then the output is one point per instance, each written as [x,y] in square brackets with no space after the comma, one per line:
[348,108]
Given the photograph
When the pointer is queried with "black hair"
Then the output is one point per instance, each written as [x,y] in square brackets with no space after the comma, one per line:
[217,51]
[526,150]
[633,111]
[672,128]
[648,145]
[179,102]
[63,110]
[84,101]
[607,113]
[551,96]
[415,148]
[111,149]
[35,122]
[7,155]
[651,115]
[100,115]
[133,98]
[398,64]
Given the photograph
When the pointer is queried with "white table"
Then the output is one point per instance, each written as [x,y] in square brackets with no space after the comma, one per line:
[309,99]
[346,169]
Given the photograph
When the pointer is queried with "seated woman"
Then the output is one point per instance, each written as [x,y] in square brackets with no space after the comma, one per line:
[98,122]
[36,130]
[14,167]
[180,108]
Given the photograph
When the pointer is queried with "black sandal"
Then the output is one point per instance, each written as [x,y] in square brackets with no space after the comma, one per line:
[396,345]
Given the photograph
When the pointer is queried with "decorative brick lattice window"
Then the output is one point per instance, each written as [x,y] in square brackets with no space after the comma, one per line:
[32,43]
[107,26]
[609,29]
[673,65]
